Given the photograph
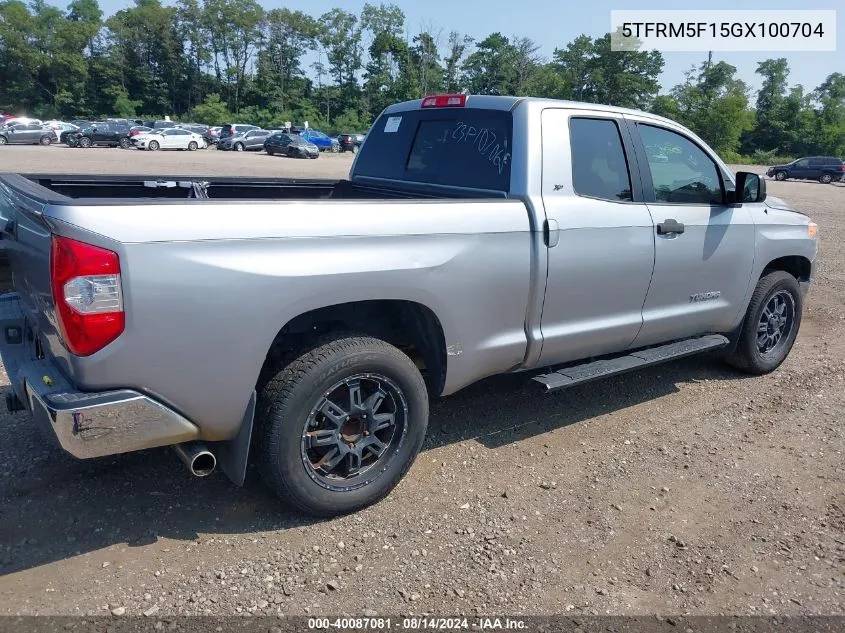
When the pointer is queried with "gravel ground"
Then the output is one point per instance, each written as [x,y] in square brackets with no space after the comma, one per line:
[60,159]
[686,489]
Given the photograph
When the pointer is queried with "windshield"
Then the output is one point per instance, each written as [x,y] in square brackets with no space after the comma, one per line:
[459,147]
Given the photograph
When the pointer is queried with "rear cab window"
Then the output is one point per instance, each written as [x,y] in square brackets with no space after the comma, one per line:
[454,147]
[599,165]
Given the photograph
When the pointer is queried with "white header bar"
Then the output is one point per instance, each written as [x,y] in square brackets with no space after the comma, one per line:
[774,31]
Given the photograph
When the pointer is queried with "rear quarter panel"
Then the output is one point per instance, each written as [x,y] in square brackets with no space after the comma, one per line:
[202,311]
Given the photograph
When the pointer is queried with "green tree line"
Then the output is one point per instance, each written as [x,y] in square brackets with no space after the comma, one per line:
[217,61]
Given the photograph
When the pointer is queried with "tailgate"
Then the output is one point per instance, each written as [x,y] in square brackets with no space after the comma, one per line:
[25,240]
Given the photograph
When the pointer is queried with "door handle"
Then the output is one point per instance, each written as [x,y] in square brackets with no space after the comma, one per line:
[669,227]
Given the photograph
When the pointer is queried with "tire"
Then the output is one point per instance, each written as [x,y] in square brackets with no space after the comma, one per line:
[3,140]
[270,152]
[192,146]
[153,146]
[335,148]
[825,179]
[292,401]
[780,175]
[748,355]
[124,143]
[72,142]
[46,140]
[354,149]
[84,142]
[238,147]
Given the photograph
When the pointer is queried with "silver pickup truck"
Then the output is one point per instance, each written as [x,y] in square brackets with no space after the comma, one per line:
[303,325]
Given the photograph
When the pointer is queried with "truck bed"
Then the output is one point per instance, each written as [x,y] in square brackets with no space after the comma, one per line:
[98,189]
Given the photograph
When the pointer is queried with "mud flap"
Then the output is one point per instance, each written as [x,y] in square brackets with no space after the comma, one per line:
[233,456]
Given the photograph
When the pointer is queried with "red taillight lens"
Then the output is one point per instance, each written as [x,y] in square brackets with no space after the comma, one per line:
[444,101]
[842,168]
[87,293]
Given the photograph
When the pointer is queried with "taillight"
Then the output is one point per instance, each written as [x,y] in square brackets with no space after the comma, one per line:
[87,293]
[445,101]
[842,168]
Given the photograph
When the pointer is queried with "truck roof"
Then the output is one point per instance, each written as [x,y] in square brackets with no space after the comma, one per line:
[503,102]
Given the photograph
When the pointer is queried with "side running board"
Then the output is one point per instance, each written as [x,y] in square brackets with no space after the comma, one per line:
[578,374]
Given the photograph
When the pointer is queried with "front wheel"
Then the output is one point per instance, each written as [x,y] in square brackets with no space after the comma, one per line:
[771,324]
[84,142]
[825,179]
[239,147]
[153,145]
[3,140]
[341,424]
[781,175]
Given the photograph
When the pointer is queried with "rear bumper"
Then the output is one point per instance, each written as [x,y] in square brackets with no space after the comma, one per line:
[85,424]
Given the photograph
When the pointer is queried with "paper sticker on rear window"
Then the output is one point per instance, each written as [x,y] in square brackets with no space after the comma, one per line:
[392,124]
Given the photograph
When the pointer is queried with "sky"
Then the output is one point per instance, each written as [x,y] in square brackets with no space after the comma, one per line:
[554,23]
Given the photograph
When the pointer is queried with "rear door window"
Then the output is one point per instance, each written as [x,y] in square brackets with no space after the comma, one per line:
[458,147]
[599,165]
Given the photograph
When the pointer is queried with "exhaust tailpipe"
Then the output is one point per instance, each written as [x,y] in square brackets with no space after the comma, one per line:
[196,456]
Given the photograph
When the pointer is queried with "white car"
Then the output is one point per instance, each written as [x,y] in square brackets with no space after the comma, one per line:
[169,138]
[60,126]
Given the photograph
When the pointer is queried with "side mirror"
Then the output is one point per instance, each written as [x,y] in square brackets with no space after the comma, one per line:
[749,188]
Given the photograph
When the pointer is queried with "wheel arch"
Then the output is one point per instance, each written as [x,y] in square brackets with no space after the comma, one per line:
[411,326]
[796,265]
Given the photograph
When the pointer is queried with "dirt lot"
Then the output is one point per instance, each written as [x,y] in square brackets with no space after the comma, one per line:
[60,159]
[688,488]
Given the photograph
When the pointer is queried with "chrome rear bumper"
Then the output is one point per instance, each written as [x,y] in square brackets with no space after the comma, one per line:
[86,424]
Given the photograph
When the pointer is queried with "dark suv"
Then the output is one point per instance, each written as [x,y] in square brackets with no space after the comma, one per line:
[825,169]
[350,142]
[109,133]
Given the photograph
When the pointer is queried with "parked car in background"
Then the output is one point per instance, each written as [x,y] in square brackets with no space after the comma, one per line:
[81,122]
[292,145]
[135,130]
[251,140]
[104,133]
[323,141]
[825,169]
[60,126]
[212,135]
[235,129]
[350,142]
[168,138]
[26,134]
[22,120]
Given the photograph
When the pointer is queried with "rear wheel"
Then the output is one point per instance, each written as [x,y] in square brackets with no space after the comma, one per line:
[46,140]
[825,179]
[270,151]
[771,324]
[192,146]
[124,142]
[341,424]
[84,142]
[153,145]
